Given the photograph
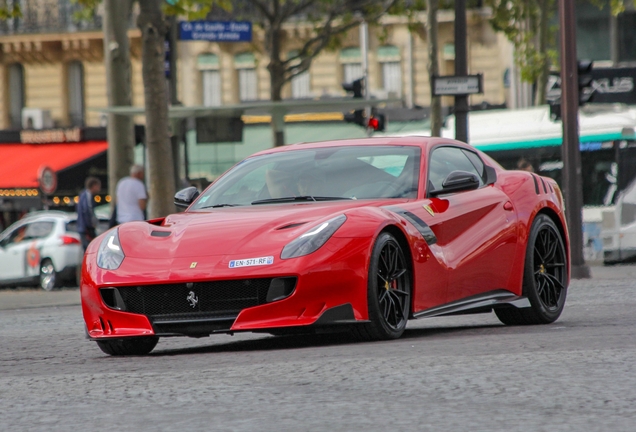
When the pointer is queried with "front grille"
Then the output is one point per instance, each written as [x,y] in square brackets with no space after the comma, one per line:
[199,300]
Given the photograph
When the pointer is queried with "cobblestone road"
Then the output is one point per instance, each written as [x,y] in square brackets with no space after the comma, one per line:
[450,374]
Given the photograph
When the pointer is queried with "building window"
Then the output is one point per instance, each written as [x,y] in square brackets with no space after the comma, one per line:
[247,80]
[300,86]
[301,83]
[16,95]
[392,78]
[208,64]
[390,61]
[76,93]
[351,64]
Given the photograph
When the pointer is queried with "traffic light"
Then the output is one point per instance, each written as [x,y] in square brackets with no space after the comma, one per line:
[586,93]
[377,122]
[356,117]
[354,87]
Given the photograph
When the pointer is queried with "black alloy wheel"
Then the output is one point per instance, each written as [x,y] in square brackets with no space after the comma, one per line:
[545,276]
[389,291]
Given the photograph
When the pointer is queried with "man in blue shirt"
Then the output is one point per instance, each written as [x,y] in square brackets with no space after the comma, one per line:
[86,219]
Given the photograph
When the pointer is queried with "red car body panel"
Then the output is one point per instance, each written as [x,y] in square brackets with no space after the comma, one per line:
[480,246]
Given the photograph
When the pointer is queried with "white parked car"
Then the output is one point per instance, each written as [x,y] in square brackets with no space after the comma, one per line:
[43,248]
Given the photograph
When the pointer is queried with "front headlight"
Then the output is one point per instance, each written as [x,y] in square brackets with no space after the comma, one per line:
[311,241]
[110,254]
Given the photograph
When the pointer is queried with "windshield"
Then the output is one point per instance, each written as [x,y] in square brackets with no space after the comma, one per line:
[356,172]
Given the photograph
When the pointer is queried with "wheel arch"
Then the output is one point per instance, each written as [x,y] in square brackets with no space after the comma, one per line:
[399,235]
[559,224]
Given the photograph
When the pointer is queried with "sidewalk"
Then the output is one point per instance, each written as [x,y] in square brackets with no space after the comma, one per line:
[24,298]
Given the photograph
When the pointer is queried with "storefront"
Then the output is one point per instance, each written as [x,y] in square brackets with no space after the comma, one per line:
[45,169]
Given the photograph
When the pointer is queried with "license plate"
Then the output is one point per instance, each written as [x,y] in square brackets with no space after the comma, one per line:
[250,262]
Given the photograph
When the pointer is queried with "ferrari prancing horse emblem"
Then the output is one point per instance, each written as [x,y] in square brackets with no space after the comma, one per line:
[429,209]
[193,265]
[192,299]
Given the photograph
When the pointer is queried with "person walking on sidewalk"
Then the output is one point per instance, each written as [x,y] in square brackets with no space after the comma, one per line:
[132,197]
[86,219]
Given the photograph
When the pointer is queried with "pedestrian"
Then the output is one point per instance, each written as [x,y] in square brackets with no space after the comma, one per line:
[131,198]
[86,219]
[524,165]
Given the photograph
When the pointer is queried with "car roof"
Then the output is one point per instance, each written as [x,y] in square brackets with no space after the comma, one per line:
[49,214]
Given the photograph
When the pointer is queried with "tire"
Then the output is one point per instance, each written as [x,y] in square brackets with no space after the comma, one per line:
[388,292]
[48,276]
[129,346]
[544,277]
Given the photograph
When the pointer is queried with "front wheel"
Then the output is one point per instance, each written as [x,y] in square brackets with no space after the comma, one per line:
[129,346]
[544,279]
[48,275]
[388,292]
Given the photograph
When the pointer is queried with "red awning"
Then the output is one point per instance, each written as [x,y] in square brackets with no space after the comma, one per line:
[20,163]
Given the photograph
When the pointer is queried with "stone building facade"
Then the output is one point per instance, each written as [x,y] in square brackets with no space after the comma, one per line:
[49,62]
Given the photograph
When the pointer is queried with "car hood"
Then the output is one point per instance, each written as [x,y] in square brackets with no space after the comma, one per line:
[250,230]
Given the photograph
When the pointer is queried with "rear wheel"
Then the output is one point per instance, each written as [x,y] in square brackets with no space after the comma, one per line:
[388,292]
[48,275]
[129,346]
[544,279]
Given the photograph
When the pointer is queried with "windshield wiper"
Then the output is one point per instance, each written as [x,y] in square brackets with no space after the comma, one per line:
[220,205]
[298,199]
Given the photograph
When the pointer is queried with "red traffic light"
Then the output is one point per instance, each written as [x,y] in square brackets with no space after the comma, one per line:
[376,123]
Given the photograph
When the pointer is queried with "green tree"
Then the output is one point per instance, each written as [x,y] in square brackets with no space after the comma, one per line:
[527,24]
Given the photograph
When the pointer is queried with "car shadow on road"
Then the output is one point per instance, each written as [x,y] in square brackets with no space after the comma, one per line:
[289,342]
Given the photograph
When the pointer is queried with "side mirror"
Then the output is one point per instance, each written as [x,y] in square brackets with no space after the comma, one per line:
[458,181]
[186,196]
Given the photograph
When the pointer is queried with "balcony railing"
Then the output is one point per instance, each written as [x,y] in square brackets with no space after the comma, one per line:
[51,16]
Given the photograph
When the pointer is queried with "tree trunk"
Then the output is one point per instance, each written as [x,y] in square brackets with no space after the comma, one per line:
[175,124]
[277,80]
[543,36]
[120,129]
[433,64]
[160,168]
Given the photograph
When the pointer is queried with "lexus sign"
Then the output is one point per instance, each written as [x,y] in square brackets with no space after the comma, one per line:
[609,85]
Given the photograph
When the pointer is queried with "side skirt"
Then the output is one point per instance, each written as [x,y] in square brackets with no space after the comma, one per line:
[475,304]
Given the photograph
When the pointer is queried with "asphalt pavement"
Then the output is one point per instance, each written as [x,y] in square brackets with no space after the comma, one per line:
[457,373]
[24,298]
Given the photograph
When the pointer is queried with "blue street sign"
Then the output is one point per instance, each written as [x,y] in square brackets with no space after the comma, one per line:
[216,31]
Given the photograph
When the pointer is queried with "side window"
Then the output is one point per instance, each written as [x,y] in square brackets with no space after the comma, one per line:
[445,160]
[16,236]
[38,230]
[477,163]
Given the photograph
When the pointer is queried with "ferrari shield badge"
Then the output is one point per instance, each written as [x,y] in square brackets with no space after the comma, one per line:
[193,265]
[429,209]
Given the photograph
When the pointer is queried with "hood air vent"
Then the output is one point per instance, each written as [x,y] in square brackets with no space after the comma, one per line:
[293,225]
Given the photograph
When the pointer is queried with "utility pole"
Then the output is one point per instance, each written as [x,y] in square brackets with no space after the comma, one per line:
[364,52]
[461,69]
[433,64]
[120,129]
[571,153]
